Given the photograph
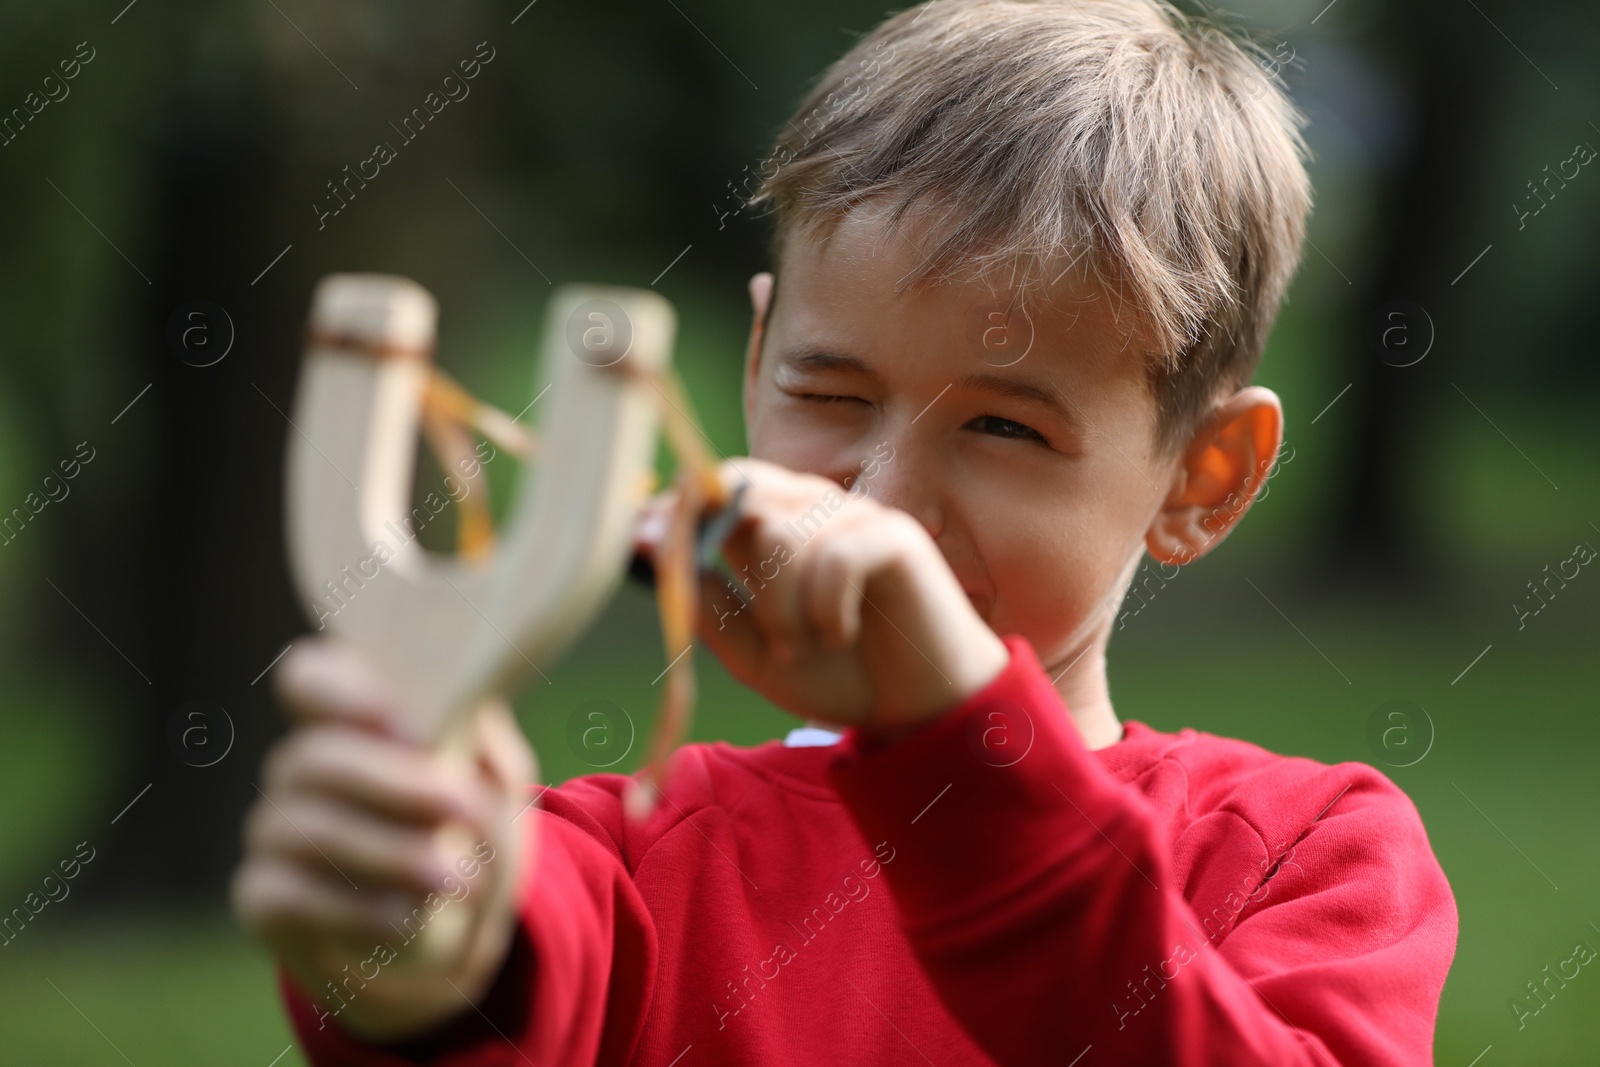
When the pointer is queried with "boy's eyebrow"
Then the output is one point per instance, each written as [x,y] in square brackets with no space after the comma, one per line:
[811,358]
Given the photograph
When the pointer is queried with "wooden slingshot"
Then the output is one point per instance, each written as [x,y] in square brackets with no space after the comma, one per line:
[447,630]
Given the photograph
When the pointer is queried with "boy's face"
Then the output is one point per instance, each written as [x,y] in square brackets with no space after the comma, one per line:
[1024,446]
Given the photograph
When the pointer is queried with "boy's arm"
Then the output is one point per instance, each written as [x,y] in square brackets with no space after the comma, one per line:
[1034,895]
[574,986]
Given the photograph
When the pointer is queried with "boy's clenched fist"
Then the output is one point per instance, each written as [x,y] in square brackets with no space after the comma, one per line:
[840,608]
[381,871]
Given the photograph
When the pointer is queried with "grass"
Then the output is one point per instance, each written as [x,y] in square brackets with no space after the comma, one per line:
[145,989]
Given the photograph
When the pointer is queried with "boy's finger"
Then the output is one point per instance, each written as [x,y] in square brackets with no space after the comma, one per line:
[756,476]
[832,596]
[328,680]
[505,751]
[763,551]
[767,567]
[727,629]
[389,779]
[287,905]
[345,843]
[650,526]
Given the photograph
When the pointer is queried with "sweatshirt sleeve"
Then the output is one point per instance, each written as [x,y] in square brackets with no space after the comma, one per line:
[1036,891]
[575,984]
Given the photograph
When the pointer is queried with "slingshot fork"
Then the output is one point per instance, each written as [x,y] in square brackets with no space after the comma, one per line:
[448,630]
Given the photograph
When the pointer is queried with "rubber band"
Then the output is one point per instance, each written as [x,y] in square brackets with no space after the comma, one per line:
[448,409]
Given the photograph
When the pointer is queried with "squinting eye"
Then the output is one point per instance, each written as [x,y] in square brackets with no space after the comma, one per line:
[994,424]
[824,398]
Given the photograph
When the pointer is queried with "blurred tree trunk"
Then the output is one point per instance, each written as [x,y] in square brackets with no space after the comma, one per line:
[1375,527]
[208,612]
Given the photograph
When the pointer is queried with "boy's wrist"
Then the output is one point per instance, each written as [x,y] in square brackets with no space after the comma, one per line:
[424,1025]
[967,675]
[492,1014]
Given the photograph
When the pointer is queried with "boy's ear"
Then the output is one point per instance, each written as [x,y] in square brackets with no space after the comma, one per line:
[1220,473]
[760,305]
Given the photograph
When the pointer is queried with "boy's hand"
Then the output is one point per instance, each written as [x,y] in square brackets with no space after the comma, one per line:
[371,850]
[851,614]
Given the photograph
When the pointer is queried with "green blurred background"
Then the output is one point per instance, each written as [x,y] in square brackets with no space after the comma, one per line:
[601,144]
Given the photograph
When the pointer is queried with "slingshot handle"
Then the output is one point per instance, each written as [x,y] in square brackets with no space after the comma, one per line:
[449,920]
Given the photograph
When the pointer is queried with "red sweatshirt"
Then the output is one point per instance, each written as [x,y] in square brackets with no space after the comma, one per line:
[985,891]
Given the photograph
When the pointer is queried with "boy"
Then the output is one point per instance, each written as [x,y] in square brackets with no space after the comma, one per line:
[1028,255]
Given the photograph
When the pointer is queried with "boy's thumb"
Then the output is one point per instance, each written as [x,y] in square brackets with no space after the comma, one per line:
[726,626]
[502,747]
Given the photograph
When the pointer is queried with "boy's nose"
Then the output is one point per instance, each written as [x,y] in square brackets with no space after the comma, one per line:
[892,473]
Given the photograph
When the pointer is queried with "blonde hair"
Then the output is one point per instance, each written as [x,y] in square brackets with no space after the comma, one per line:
[1155,147]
